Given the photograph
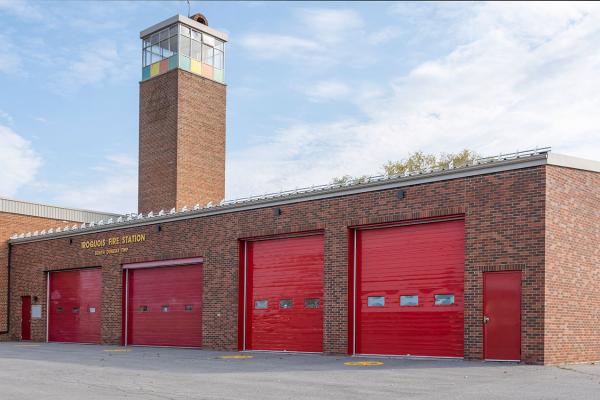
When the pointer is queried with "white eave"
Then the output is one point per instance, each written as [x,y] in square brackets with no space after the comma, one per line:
[187,21]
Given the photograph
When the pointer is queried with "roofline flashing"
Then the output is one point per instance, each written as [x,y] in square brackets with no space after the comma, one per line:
[19,207]
[187,21]
[394,183]
[563,160]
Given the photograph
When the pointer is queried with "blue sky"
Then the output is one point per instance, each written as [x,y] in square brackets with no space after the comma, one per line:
[315,90]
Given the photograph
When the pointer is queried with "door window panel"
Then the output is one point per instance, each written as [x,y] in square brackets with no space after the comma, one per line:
[409,300]
[444,299]
[376,301]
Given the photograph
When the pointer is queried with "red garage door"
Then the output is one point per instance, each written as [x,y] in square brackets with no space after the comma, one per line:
[410,284]
[75,298]
[284,295]
[165,306]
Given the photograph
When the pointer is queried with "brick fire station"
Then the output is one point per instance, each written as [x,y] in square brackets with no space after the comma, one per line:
[497,260]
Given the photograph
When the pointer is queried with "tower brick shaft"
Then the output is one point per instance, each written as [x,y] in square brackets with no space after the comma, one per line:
[182,141]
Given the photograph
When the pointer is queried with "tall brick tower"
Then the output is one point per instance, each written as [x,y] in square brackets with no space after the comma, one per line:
[182,115]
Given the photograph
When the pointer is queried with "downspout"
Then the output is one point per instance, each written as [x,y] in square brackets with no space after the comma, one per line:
[8,293]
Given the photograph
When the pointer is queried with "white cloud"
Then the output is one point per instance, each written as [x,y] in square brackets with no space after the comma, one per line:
[271,46]
[330,25]
[524,76]
[327,37]
[114,189]
[327,90]
[18,162]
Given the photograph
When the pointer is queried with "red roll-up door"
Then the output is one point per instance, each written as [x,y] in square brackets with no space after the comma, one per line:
[284,298]
[75,300]
[410,285]
[165,306]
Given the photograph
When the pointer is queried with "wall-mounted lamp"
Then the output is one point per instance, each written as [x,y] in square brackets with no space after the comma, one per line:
[277,212]
[401,194]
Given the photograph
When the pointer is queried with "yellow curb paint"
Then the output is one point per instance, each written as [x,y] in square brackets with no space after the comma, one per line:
[237,357]
[117,350]
[363,363]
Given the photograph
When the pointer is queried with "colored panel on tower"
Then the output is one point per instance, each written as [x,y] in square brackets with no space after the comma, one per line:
[154,69]
[173,62]
[218,75]
[146,73]
[207,71]
[196,67]
[184,62]
[163,66]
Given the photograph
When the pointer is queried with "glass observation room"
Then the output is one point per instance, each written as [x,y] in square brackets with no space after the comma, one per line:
[186,47]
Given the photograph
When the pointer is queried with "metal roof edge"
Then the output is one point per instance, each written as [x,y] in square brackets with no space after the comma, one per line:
[49,211]
[392,183]
[185,20]
[563,160]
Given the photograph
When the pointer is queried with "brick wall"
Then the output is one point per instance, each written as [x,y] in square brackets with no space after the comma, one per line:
[201,140]
[182,141]
[572,303]
[9,224]
[504,228]
[504,217]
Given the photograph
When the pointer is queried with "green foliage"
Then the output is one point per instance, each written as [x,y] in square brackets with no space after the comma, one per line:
[418,161]
[343,180]
[415,162]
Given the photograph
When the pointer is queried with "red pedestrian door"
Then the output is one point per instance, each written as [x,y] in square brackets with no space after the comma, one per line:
[26,318]
[502,315]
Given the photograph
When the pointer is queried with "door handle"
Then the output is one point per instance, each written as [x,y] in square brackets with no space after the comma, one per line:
[486,319]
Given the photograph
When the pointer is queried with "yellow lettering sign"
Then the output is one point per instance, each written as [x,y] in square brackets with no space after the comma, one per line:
[113,241]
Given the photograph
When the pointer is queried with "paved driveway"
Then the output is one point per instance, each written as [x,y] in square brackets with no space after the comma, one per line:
[88,372]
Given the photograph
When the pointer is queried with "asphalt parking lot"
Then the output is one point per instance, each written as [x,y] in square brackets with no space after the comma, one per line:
[71,371]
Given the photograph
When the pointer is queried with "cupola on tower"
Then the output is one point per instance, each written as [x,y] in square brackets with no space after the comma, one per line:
[182,114]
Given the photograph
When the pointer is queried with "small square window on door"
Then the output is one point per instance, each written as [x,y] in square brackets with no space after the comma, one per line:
[407,301]
[188,307]
[376,301]
[75,310]
[312,303]
[164,308]
[285,303]
[261,304]
[444,299]
[91,310]
[143,308]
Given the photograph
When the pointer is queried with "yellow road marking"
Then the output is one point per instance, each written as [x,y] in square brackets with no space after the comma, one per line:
[361,363]
[27,345]
[237,357]
[117,350]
